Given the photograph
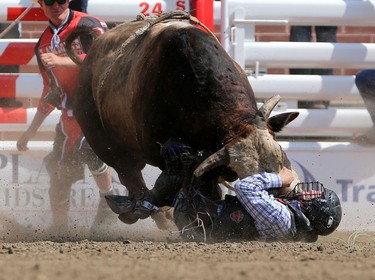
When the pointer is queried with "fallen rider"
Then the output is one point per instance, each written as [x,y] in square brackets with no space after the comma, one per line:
[255,213]
[310,210]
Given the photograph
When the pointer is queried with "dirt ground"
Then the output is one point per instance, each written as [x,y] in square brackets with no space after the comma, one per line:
[342,255]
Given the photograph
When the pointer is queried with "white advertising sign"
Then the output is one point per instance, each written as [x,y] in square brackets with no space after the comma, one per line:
[346,168]
[25,207]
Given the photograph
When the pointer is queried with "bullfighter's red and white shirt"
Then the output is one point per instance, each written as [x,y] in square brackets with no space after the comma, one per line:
[66,77]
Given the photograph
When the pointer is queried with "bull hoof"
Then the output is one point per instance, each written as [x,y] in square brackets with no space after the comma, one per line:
[131,210]
[119,204]
[143,209]
[128,218]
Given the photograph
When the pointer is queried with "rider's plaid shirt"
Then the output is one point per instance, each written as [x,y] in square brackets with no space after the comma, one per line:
[272,218]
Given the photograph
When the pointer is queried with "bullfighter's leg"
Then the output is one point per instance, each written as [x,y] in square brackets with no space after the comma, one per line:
[102,175]
[59,196]
[60,204]
[365,82]
[104,216]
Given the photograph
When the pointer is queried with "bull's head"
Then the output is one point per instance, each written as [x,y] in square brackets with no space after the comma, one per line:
[259,151]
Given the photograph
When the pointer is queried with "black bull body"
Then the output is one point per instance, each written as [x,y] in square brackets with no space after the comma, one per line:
[141,85]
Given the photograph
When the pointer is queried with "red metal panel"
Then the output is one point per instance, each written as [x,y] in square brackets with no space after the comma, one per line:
[13,116]
[35,14]
[8,86]
[204,11]
[17,54]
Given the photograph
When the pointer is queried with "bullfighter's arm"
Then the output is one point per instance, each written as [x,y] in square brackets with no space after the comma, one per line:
[31,131]
[51,60]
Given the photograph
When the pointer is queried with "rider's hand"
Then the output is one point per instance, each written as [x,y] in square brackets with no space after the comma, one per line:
[287,177]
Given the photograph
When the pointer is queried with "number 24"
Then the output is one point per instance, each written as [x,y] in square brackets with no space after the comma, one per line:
[157,9]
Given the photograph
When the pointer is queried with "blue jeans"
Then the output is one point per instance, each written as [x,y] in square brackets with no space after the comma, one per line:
[365,82]
[303,34]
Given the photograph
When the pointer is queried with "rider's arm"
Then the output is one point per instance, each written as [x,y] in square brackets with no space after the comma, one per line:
[272,218]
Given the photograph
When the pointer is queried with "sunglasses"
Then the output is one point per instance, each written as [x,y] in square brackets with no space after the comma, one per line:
[50,2]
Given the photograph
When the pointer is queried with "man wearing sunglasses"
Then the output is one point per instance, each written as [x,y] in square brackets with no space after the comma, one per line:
[65,164]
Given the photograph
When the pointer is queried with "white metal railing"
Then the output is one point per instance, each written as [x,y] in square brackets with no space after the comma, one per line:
[312,87]
[267,54]
[342,121]
[309,87]
[301,12]
[238,19]
[309,55]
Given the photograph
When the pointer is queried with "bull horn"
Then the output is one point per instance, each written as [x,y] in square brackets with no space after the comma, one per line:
[221,157]
[267,107]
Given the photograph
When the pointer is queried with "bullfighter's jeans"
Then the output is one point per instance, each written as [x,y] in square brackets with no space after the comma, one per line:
[365,82]
[303,34]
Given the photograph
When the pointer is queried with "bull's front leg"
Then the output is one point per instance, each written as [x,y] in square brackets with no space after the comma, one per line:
[141,205]
[133,181]
[138,204]
[131,177]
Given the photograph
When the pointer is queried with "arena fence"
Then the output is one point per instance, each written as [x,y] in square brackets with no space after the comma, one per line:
[238,37]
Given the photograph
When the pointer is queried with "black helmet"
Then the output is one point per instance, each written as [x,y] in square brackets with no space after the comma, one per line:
[324,212]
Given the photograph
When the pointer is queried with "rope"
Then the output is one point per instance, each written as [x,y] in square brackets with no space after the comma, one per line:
[16,21]
[190,227]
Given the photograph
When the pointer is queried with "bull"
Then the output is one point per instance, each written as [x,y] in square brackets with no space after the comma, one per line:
[158,78]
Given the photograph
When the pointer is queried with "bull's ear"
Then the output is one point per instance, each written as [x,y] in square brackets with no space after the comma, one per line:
[278,122]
